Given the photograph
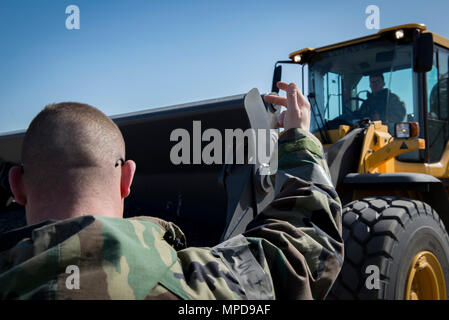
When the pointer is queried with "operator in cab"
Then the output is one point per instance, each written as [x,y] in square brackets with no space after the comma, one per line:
[381,103]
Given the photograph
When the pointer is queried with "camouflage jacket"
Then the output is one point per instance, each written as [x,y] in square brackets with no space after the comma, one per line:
[292,250]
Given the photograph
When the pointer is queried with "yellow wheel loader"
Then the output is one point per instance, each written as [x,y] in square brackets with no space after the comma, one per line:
[380,108]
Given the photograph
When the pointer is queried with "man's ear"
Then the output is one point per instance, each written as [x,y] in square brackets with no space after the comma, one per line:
[17,186]
[128,170]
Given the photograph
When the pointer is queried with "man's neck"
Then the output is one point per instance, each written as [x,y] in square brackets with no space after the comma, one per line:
[61,211]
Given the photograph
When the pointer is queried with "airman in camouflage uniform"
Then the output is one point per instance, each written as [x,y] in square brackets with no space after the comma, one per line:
[292,250]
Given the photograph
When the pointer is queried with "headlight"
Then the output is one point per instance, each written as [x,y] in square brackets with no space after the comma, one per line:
[399,34]
[297,58]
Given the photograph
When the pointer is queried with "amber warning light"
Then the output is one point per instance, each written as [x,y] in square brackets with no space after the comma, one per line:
[404,130]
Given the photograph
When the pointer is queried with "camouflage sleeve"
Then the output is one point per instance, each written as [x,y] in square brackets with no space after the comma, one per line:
[299,235]
[292,250]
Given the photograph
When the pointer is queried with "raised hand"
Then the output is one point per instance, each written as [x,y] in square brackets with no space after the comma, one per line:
[297,114]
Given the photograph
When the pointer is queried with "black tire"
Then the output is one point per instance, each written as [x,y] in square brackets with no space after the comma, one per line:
[387,232]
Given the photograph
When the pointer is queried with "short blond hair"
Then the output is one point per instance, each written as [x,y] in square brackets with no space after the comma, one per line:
[67,136]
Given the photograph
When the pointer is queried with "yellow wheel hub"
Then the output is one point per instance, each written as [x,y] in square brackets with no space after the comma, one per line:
[425,279]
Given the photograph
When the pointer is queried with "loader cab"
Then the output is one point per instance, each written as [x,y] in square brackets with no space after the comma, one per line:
[399,74]
[370,80]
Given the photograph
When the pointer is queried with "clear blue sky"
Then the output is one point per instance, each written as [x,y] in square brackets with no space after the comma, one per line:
[133,55]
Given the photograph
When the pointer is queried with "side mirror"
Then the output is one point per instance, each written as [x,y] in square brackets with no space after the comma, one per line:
[423,53]
[277,75]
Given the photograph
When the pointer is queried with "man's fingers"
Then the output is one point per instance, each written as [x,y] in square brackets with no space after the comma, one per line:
[301,98]
[297,114]
[280,121]
[281,101]
[292,97]
[282,85]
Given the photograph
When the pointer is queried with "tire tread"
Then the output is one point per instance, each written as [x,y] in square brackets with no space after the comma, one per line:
[371,240]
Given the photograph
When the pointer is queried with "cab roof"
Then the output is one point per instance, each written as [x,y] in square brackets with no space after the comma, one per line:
[440,40]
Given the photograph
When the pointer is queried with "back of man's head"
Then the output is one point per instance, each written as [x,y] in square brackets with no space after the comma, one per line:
[72,157]
[68,136]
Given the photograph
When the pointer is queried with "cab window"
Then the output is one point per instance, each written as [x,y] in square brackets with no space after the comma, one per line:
[438,108]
